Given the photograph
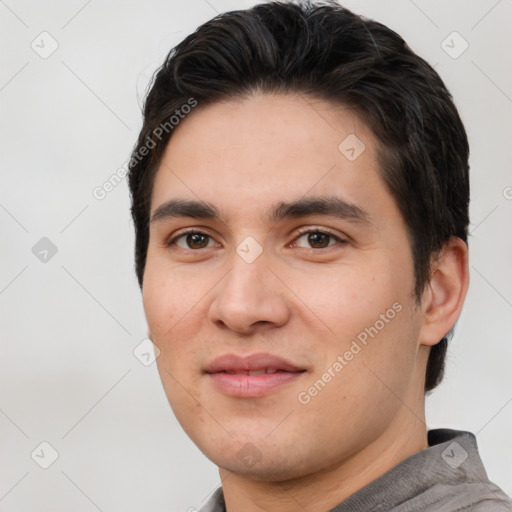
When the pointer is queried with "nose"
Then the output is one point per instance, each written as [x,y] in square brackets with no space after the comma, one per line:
[250,295]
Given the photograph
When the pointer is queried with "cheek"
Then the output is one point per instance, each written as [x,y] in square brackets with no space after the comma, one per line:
[168,294]
[174,301]
[347,298]
[370,305]
[170,311]
[160,304]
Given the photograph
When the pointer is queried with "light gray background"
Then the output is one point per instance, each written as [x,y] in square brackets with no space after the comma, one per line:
[69,325]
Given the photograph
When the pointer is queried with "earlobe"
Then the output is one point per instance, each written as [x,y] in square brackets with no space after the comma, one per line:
[446,291]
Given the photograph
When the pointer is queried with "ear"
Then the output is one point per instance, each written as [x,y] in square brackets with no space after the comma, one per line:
[445,293]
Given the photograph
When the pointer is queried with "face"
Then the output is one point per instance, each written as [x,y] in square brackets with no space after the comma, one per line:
[288,333]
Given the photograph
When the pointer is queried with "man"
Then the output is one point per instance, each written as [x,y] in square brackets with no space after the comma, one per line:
[300,193]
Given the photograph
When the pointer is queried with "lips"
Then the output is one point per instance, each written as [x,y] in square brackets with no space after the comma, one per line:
[251,376]
[253,364]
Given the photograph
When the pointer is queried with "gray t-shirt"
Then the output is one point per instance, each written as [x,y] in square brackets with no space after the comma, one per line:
[448,476]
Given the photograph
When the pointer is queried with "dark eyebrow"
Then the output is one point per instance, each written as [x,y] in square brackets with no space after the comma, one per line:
[185,208]
[331,206]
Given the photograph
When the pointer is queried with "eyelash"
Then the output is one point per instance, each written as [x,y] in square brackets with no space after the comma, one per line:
[301,232]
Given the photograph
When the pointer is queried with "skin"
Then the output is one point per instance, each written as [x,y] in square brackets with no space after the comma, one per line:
[295,300]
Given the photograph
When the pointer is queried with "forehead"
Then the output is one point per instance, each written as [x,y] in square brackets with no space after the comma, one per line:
[245,154]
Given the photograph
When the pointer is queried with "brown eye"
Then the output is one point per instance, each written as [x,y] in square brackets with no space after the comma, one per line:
[319,239]
[193,240]
[196,240]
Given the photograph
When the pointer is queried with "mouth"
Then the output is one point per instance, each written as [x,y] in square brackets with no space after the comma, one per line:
[261,371]
[251,376]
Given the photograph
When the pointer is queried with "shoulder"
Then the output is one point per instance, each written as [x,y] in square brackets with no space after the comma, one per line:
[498,503]
[487,506]
[483,496]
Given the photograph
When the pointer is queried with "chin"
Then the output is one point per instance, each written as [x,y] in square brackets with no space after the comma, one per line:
[260,460]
